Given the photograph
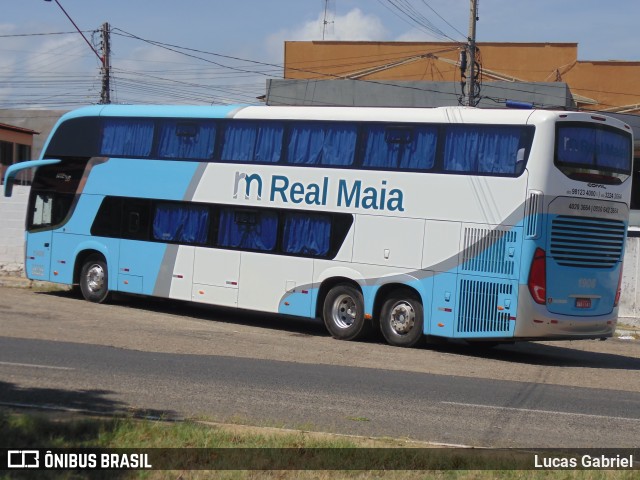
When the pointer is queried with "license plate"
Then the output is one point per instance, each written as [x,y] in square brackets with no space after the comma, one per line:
[583,303]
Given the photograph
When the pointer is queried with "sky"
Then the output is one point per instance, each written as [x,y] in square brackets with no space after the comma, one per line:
[222,52]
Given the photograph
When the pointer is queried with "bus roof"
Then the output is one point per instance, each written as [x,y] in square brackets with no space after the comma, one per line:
[386,114]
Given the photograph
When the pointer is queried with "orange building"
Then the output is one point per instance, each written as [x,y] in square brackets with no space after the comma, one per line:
[612,86]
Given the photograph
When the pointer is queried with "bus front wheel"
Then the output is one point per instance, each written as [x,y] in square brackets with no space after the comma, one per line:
[401,319]
[343,313]
[94,279]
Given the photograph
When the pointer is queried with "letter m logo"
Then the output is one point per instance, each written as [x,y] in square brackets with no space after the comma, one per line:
[248,180]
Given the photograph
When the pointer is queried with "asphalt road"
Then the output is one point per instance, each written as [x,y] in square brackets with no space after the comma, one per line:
[179,360]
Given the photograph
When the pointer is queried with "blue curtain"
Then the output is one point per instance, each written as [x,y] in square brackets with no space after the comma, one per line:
[183,224]
[380,153]
[481,149]
[322,144]
[420,154]
[410,148]
[306,234]
[248,230]
[339,145]
[269,143]
[305,145]
[187,140]
[127,137]
[250,141]
[239,142]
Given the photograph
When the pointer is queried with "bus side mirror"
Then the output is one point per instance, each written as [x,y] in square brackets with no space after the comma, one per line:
[12,171]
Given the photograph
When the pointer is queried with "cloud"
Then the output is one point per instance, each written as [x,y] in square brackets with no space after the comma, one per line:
[354,25]
[415,35]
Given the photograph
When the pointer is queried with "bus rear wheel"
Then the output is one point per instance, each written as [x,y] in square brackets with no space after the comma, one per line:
[94,279]
[401,319]
[343,313]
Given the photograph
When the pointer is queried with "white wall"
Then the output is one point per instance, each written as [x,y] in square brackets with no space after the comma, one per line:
[630,299]
[12,217]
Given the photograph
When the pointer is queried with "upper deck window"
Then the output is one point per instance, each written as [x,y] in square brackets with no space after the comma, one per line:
[485,149]
[404,148]
[124,137]
[187,140]
[330,144]
[252,142]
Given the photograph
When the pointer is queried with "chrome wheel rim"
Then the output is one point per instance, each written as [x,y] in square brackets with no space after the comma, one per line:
[402,318]
[95,278]
[344,311]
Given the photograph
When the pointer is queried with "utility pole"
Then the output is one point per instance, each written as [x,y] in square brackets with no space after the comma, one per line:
[105,93]
[472,75]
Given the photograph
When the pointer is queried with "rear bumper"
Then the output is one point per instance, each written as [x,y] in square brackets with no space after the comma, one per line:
[536,322]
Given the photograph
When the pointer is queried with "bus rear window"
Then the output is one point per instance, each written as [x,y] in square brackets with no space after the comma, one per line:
[593,153]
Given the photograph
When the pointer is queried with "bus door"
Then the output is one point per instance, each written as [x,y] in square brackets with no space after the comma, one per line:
[39,236]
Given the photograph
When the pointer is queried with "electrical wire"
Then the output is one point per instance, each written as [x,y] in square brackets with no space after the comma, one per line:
[195,83]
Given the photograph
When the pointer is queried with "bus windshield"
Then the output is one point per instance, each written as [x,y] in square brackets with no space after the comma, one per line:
[593,153]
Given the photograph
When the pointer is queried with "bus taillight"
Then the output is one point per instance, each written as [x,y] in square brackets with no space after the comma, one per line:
[538,277]
[619,290]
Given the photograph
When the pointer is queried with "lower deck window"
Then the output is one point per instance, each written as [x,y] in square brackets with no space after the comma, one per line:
[181,223]
[251,230]
[306,234]
[269,230]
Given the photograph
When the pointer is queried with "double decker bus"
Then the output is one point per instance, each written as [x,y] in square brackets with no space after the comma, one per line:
[454,222]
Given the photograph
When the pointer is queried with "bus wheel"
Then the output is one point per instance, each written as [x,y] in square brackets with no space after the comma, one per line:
[344,313]
[94,279]
[401,319]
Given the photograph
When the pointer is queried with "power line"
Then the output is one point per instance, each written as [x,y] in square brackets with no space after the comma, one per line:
[42,34]
[443,19]
[410,15]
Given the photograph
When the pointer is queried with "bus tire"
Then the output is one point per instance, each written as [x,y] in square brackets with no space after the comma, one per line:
[94,279]
[343,313]
[402,319]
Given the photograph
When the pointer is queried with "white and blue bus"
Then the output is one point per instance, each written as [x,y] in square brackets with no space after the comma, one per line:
[483,225]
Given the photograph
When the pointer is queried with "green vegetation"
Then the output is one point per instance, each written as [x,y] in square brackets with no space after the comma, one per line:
[24,430]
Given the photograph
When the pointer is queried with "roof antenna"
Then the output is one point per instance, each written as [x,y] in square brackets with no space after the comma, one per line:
[327,10]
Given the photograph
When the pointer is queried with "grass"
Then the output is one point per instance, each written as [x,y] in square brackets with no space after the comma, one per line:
[19,429]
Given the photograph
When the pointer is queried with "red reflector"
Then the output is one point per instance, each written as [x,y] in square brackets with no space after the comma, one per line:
[600,119]
[537,321]
[583,303]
